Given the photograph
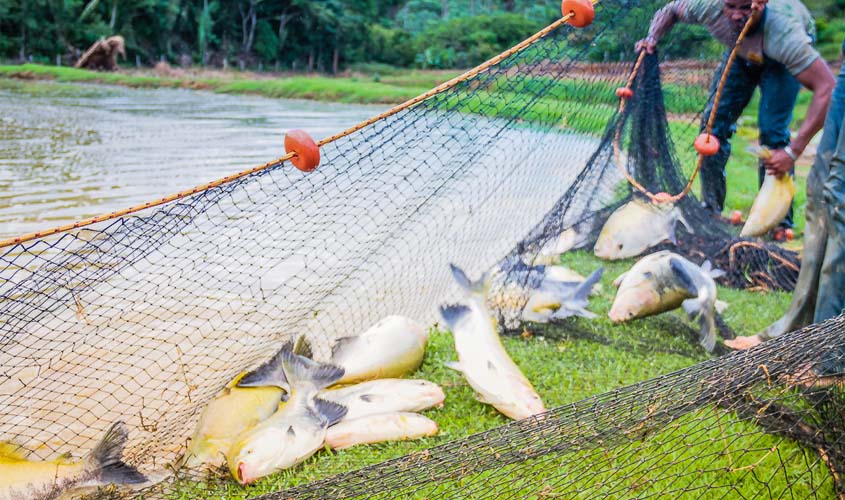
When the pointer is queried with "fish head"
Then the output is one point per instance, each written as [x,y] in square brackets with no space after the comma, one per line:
[429,393]
[259,454]
[633,302]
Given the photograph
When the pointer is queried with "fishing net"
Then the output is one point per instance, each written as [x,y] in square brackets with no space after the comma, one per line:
[766,423]
[145,316]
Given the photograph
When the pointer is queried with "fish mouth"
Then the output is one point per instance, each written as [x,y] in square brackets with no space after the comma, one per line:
[241,476]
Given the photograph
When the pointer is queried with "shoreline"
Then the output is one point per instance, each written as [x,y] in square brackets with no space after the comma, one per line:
[352,88]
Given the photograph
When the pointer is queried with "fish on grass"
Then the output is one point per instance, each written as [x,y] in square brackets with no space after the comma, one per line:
[482,359]
[297,430]
[637,226]
[393,347]
[663,281]
[386,396]
[36,479]
[397,426]
[249,399]
[770,206]
[518,292]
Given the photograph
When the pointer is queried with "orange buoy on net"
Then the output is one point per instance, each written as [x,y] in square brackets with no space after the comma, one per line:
[662,197]
[582,12]
[306,152]
[706,144]
[624,93]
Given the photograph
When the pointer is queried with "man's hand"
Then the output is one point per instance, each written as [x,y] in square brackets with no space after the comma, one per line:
[648,44]
[758,5]
[779,163]
[741,343]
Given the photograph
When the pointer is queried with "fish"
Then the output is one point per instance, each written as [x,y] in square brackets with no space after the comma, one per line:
[517,292]
[482,359]
[392,348]
[637,226]
[572,238]
[297,430]
[563,273]
[21,477]
[396,426]
[663,281]
[250,398]
[385,396]
[770,206]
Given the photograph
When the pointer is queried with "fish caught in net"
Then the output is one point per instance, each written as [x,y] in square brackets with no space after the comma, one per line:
[142,317]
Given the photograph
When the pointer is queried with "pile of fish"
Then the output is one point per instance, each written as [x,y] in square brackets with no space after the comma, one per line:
[287,409]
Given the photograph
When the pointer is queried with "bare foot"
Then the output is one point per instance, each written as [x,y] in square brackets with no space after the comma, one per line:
[740,343]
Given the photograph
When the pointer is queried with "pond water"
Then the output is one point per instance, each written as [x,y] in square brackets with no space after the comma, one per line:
[69,151]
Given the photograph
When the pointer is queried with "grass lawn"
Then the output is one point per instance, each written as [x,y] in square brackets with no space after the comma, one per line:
[583,358]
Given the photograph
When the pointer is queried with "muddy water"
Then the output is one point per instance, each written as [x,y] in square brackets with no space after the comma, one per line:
[69,151]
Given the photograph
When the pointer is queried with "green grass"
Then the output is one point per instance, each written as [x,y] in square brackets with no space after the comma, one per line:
[352,89]
[583,359]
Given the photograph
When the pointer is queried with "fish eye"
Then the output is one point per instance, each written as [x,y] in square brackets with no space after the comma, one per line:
[620,246]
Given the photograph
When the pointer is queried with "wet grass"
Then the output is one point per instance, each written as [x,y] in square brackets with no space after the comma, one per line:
[566,364]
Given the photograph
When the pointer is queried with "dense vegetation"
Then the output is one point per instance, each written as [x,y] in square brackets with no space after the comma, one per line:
[318,35]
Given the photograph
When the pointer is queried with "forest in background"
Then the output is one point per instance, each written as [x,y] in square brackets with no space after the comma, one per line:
[323,36]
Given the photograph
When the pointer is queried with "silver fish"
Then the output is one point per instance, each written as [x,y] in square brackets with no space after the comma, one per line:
[379,428]
[663,281]
[386,396]
[637,226]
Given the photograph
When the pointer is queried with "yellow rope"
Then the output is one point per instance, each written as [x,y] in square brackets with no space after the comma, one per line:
[225,180]
[665,197]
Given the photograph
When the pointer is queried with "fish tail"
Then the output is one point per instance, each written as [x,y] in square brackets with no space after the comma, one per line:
[300,371]
[105,463]
[329,411]
[473,287]
[582,293]
[708,270]
[452,314]
[270,373]
[706,317]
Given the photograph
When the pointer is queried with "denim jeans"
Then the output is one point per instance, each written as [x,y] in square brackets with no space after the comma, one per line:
[820,292]
[778,92]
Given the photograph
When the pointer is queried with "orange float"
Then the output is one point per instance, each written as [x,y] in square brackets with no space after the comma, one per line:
[790,234]
[624,93]
[662,197]
[582,12]
[706,144]
[306,152]
[736,217]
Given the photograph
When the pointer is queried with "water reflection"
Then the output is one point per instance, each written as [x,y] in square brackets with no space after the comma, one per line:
[69,151]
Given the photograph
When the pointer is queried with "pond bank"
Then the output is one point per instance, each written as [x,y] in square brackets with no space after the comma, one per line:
[359,88]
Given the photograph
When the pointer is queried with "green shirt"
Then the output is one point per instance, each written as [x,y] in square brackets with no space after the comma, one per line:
[786,36]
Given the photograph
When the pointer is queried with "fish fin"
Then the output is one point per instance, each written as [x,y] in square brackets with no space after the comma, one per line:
[707,337]
[692,307]
[542,307]
[452,314]
[573,310]
[302,346]
[618,281]
[721,306]
[300,370]
[673,232]
[454,365]
[709,270]
[473,287]
[105,459]
[491,366]
[683,276]
[330,412]
[271,373]
[582,292]
[12,451]
[679,217]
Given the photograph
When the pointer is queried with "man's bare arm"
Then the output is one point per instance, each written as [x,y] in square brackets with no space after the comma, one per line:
[661,24]
[818,79]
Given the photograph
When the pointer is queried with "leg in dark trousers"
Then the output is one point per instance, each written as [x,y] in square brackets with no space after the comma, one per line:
[743,78]
[778,92]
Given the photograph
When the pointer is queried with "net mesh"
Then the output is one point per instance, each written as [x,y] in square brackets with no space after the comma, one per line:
[145,317]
